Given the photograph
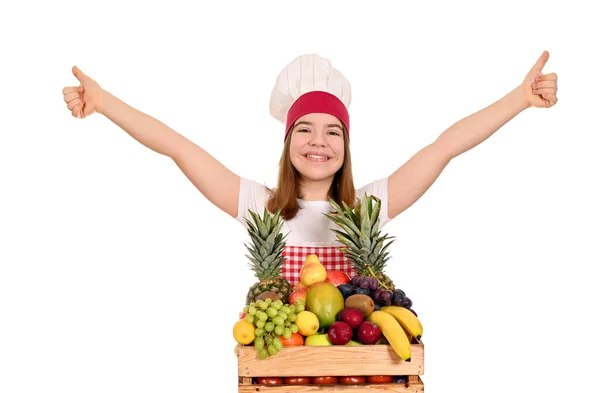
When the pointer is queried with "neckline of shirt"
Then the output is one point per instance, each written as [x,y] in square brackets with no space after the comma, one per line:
[303,203]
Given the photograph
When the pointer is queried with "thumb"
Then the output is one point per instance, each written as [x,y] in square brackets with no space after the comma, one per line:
[79,74]
[541,62]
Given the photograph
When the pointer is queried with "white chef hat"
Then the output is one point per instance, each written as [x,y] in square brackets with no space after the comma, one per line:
[310,84]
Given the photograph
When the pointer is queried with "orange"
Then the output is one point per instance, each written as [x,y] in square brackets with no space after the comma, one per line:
[296,340]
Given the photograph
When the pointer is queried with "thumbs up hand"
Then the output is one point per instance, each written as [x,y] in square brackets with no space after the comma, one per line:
[540,89]
[85,99]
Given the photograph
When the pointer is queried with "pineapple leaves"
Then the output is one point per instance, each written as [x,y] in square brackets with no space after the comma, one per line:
[270,242]
[351,234]
[336,206]
[342,217]
[365,220]
[257,241]
[387,245]
[357,205]
[364,245]
[378,246]
[375,216]
[275,220]
[342,220]
[267,244]
[349,239]
[351,214]
[268,261]
[251,227]
[262,228]
[252,251]
[365,241]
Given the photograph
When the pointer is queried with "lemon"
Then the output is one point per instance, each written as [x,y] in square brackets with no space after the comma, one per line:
[307,323]
[243,332]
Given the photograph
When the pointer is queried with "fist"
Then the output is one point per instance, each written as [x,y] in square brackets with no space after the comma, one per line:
[540,89]
[85,99]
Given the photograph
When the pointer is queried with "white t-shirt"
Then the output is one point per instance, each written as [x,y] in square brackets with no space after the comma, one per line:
[309,227]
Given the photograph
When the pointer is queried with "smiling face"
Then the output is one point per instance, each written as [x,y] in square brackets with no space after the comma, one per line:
[317,146]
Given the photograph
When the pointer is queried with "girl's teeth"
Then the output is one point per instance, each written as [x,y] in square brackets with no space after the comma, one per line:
[317,157]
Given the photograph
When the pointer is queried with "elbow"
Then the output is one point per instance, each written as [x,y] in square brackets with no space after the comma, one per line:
[444,152]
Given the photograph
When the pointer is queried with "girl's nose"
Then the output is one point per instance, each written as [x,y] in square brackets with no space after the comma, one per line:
[317,140]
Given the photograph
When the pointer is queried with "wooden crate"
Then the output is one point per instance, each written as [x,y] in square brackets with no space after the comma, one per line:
[334,360]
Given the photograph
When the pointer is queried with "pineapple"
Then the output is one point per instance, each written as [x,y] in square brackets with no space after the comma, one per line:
[360,233]
[266,259]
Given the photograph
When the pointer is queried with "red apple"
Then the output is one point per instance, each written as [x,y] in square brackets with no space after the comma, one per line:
[340,333]
[368,333]
[337,277]
[298,294]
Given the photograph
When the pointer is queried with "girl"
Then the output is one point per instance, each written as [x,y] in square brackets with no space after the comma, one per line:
[312,98]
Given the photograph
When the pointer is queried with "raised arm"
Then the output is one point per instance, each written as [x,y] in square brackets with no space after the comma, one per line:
[217,183]
[409,182]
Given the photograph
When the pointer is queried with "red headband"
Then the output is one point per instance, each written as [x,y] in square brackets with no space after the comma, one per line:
[317,102]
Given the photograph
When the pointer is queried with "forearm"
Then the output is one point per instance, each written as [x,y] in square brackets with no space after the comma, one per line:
[147,130]
[476,128]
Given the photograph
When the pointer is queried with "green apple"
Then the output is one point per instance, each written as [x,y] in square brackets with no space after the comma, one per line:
[317,340]
[352,342]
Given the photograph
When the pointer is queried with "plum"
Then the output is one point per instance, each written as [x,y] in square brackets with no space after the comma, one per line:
[368,333]
[398,298]
[352,316]
[340,333]
[345,289]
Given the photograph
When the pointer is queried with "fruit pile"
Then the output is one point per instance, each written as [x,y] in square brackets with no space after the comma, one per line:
[320,314]
[326,307]
[268,324]
[381,297]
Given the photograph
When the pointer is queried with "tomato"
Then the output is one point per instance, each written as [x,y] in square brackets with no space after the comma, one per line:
[295,340]
[380,379]
[352,380]
[269,380]
[324,380]
[296,380]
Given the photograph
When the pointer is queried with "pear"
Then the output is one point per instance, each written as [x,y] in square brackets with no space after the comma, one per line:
[312,273]
[312,258]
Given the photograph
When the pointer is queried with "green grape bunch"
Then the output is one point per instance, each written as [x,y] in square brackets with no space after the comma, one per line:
[271,320]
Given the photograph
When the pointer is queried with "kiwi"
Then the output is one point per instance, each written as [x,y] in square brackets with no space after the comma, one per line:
[363,302]
[268,294]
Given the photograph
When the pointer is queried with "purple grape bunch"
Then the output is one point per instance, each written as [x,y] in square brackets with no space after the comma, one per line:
[381,297]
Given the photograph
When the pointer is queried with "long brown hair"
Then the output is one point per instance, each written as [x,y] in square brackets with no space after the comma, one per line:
[284,196]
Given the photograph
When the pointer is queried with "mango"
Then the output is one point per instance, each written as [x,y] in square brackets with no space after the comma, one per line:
[325,301]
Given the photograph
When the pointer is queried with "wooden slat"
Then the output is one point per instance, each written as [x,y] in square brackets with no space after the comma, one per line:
[330,360]
[416,387]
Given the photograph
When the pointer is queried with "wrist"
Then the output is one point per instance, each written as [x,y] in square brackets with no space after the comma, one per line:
[104,102]
[519,97]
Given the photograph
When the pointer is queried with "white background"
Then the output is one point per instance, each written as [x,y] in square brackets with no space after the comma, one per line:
[117,275]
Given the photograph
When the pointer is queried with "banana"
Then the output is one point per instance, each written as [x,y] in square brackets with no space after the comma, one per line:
[393,332]
[407,319]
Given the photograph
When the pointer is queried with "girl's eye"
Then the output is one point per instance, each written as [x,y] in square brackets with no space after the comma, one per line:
[334,133]
[303,130]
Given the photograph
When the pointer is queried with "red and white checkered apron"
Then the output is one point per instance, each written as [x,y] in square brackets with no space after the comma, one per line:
[332,258]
